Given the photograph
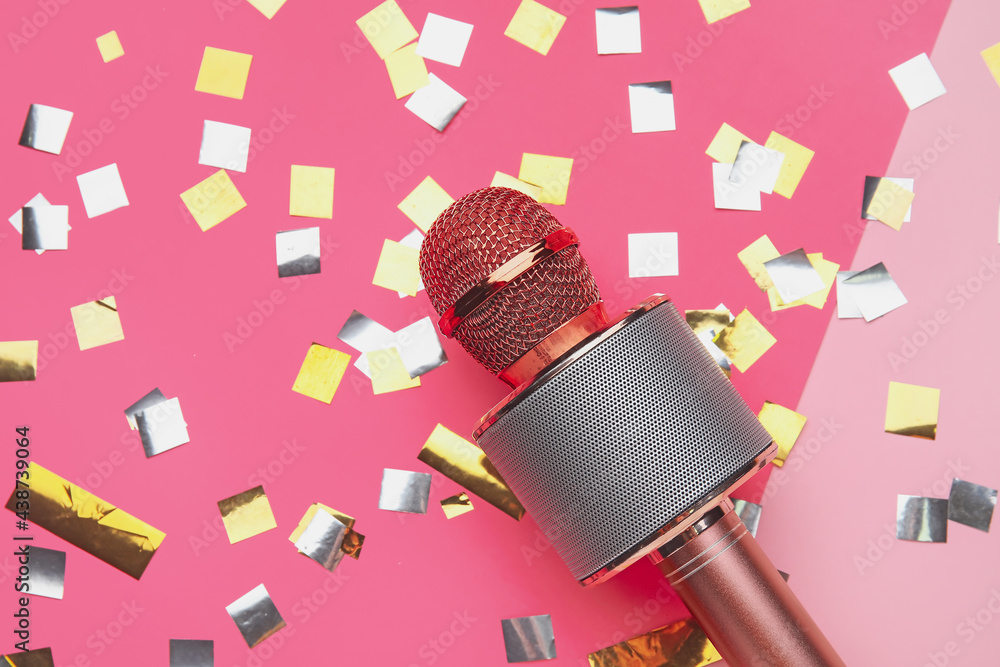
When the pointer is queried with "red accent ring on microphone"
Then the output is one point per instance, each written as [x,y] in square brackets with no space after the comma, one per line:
[474,299]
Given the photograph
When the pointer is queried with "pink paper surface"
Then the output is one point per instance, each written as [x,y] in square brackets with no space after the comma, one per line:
[207,320]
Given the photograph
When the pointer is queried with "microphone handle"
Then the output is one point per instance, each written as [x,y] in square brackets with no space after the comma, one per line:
[737,596]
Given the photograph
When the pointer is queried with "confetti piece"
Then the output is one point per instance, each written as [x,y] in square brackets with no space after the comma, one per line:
[912,410]
[407,71]
[680,643]
[425,203]
[267,7]
[971,504]
[733,196]
[192,653]
[536,26]
[756,167]
[386,28]
[256,616]
[246,514]
[213,200]
[651,106]
[102,190]
[223,73]
[890,203]
[444,40]
[97,323]
[753,258]
[991,57]
[793,168]
[353,540]
[419,347]
[45,228]
[502,180]
[39,657]
[388,371]
[225,146]
[784,425]
[873,291]
[16,219]
[311,192]
[749,514]
[917,81]
[322,539]
[94,525]
[45,128]
[162,427]
[321,373]
[110,46]
[412,240]
[744,341]
[921,519]
[701,321]
[466,464]
[149,400]
[652,255]
[404,491]
[716,10]
[872,183]
[529,638]
[18,360]
[827,271]
[436,103]
[793,275]
[456,505]
[548,172]
[48,573]
[398,268]
[726,144]
[298,252]
[846,307]
[618,30]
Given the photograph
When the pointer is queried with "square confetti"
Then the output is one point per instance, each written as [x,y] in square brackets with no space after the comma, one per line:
[756,166]
[45,228]
[256,616]
[97,323]
[398,268]
[652,255]
[102,190]
[744,341]
[873,292]
[225,146]
[311,192]
[404,491]
[651,106]
[726,144]
[733,196]
[436,103]
[529,638]
[388,371]
[192,653]
[753,258]
[267,7]
[321,372]
[716,10]
[784,425]
[407,71]
[971,504]
[917,81]
[18,360]
[162,427]
[223,73]
[246,514]
[618,30]
[110,46]
[48,572]
[535,25]
[890,203]
[793,275]
[793,167]
[871,185]
[912,410]
[425,203]
[298,252]
[502,180]
[991,57]
[548,172]
[456,505]
[386,28]
[45,128]
[920,519]
[444,40]
[213,200]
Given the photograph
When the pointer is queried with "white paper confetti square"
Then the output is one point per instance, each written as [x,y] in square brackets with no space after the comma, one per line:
[917,81]
[444,40]
[729,195]
[224,146]
[757,166]
[652,255]
[102,190]
[618,30]
[651,106]
[436,103]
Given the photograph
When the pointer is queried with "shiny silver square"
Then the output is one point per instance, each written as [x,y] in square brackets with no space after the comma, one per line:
[45,228]
[651,106]
[224,146]
[256,616]
[149,400]
[162,427]
[921,519]
[794,275]
[48,572]
[436,103]
[529,638]
[45,128]
[192,653]
[846,307]
[875,292]
[757,167]
[298,252]
[618,30]
[420,348]
[971,504]
[404,491]
[322,540]
[365,335]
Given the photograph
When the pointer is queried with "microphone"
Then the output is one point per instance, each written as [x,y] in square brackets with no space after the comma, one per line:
[621,437]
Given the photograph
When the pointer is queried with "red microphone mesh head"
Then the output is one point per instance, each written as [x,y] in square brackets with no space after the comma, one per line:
[474,237]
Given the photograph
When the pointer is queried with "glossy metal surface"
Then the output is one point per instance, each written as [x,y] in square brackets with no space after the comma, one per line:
[404,491]
[529,638]
[256,616]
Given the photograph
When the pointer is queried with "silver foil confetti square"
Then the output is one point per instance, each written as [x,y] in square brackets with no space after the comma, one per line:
[45,128]
[420,348]
[871,184]
[365,335]
[256,616]
[149,400]
[652,107]
[102,190]
[404,491]
[749,514]
[529,638]
[921,519]
[298,252]
[48,572]
[322,540]
[436,103]
[794,276]
[757,166]
[444,40]
[45,228]
[224,146]
[846,307]
[875,292]
[192,653]
[971,504]
[16,219]
[917,81]
[618,30]
[734,196]
[162,427]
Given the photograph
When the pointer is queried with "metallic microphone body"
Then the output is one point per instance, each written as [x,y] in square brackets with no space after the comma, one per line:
[622,438]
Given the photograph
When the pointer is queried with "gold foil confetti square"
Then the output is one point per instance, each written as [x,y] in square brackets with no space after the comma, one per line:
[466,464]
[398,268]
[716,10]
[744,341]
[267,7]
[110,46]
[407,70]
[97,323]
[536,26]
[991,57]
[784,425]
[321,372]
[353,541]
[502,180]
[246,514]
[223,73]
[827,271]
[18,360]
[681,643]
[726,144]
[912,410]
[456,505]
[701,321]
[797,159]
[753,257]
[213,200]
[425,203]
[386,28]
[389,372]
[39,657]
[890,203]
[311,192]
[548,172]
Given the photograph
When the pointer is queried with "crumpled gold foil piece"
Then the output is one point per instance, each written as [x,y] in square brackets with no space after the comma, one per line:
[680,644]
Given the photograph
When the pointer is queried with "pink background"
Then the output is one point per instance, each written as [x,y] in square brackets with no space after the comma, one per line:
[314,77]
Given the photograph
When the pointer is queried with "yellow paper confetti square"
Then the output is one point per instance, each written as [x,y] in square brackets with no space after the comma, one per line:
[797,159]
[744,341]
[502,180]
[97,323]
[110,46]
[548,172]
[753,257]
[536,26]
[223,73]
[425,203]
[912,410]
[784,425]
[716,10]
[388,371]
[456,505]
[890,203]
[267,7]
[18,360]
[321,372]
[213,200]
[726,144]
[992,58]
[398,268]
[827,271]
[311,192]
[246,514]
[386,28]
[407,70]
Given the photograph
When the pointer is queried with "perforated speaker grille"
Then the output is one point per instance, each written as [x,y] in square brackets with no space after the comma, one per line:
[617,444]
